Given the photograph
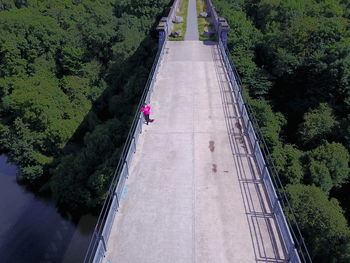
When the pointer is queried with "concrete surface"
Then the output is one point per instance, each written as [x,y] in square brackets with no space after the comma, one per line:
[192,21]
[194,193]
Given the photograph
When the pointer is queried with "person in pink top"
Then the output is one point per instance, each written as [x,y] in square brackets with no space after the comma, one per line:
[146,109]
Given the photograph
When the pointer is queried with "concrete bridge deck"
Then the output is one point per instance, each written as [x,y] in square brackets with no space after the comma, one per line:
[194,193]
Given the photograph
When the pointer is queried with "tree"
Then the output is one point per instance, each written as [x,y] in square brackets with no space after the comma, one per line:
[344,131]
[6,4]
[322,223]
[242,40]
[72,60]
[328,163]
[288,164]
[303,50]
[140,8]
[318,174]
[23,143]
[318,124]
[270,122]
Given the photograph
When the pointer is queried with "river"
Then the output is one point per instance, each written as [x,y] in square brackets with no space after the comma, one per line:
[31,228]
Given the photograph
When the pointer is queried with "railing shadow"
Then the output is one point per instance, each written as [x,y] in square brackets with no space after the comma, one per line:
[141,59]
[98,244]
[260,217]
[100,112]
[209,43]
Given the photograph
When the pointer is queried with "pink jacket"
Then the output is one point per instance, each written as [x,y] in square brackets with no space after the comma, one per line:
[146,109]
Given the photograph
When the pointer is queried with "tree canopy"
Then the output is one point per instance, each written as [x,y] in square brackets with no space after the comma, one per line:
[66,70]
[294,58]
[317,125]
[322,221]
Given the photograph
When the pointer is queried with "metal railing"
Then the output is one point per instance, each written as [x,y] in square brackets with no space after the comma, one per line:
[292,238]
[100,236]
[290,231]
[213,14]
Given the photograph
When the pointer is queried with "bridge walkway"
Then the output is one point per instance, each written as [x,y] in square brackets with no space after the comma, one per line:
[194,193]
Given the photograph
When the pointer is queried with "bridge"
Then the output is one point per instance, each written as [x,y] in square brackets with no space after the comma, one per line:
[195,185]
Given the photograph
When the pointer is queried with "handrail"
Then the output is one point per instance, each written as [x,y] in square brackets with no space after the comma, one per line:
[213,14]
[296,247]
[290,230]
[97,245]
[98,242]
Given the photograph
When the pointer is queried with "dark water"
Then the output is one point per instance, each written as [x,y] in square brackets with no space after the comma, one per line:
[32,230]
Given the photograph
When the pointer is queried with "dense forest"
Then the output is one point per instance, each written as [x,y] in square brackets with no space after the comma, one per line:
[294,60]
[71,74]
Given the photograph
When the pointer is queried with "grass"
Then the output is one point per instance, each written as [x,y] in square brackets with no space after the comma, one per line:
[204,23]
[181,27]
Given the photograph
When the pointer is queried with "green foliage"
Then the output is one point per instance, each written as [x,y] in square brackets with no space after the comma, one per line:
[296,55]
[242,40]
[321,220]
[22,142]
[88,168]
[299,38]
[318,124]
[319,175]
[140,8]
[270,122]
[9,4]
[63,66]
[72,58]
[6,4]
[328,163]
[345,131]
[91,156]
[25,35]
[288,163]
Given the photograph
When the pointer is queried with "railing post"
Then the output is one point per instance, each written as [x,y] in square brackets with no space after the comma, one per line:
[275,205]
[255,145]
[117,200]
[264,172]
[134,144]
[162,29]
[98,242]
[260,155]
[140,123]
[103,243]
[127,168]
[223,30]
[292,254]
